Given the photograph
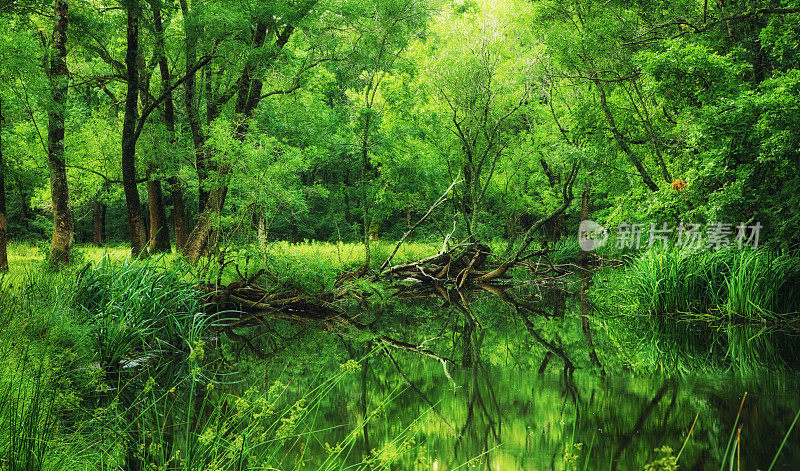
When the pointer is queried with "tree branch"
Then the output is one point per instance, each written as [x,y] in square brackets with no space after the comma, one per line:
[165,93]
[430,210]
[700,29]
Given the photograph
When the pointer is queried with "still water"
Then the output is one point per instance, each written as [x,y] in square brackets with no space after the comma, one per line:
[537,378]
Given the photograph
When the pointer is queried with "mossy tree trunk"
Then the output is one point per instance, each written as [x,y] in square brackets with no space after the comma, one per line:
[135,217]
[63,224]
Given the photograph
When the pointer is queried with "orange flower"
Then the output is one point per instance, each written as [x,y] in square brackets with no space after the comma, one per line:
[678,185]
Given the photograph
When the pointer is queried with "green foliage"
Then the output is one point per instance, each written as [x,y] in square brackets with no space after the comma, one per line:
[137,307]
[27,417]
[667,462]
[322,120]
[688,76]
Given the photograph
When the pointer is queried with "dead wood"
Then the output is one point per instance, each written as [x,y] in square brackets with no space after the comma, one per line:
[450,274]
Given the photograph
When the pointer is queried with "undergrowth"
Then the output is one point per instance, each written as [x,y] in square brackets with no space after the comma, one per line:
[116,365]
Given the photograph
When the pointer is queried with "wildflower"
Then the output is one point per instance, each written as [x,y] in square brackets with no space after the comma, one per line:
[350,367]
[148,386]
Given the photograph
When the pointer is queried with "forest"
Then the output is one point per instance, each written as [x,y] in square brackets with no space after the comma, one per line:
[399,234]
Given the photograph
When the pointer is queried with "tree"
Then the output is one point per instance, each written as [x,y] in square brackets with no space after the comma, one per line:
[191,29]
[3,214]
[63,223]
[386,36]
[159,233]
[483,85]
[248,93]
[133,124]
[134,213]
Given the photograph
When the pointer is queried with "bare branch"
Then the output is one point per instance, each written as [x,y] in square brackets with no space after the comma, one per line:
[441,200]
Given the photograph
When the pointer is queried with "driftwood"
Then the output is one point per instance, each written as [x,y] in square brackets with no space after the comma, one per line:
[465,264]
[460,264]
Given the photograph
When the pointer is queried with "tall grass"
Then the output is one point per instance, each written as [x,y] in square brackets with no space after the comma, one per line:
[748,285]
[763,286]
[143,383]
[26,418]
[674,281]
[138,307]
[743,304]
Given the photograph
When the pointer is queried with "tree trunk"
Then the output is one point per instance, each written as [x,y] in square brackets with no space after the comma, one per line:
[99,223]
[623,144]
[179,222]
[585,196]
[466,198]
[145,210]
[163,67]
[648,123]
[135,218]
[587,191]
[200,236]
[262,229]
[558,222]
[365,177]
[3,218]
[159,233]
[345,190]
[63,223]
[198,139]
[530,233]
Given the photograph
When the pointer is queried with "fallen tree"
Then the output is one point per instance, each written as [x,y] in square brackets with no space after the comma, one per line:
[468,265]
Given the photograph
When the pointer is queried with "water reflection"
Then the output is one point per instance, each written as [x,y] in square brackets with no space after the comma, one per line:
[527,378]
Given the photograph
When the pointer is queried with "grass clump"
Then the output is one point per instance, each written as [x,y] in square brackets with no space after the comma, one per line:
[674,281]
[746,286]
[143,382]
[739,305]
